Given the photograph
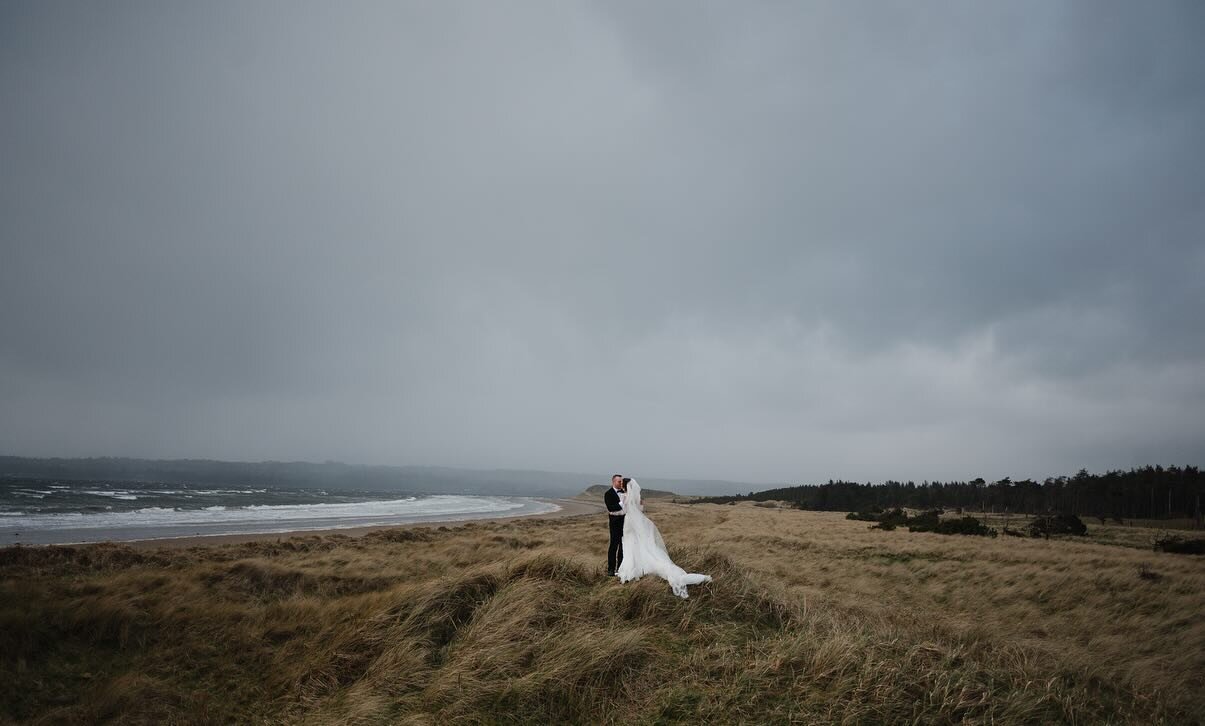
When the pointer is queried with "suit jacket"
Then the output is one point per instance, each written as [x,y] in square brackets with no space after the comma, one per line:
[611,499]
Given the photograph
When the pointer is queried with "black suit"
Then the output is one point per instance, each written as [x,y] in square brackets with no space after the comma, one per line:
[615,551]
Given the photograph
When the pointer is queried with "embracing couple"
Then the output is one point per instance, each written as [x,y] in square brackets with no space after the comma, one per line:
[636,545]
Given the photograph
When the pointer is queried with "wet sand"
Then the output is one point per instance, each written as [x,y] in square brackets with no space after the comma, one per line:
[568,508]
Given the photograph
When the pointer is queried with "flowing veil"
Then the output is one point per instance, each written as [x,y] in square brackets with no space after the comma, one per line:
[644,550]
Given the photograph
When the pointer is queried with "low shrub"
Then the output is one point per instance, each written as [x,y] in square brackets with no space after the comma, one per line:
[874,514]
[887,520]
[892,519]
[964,525]
[1180,545]
[1058,524]
[929,521]
[925,521]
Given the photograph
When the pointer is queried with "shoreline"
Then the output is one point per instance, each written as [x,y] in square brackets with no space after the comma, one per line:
[569,507]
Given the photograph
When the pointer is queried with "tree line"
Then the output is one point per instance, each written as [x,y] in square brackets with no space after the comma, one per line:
[1150,492]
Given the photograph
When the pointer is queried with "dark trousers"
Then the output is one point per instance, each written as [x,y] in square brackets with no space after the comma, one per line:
[615,551]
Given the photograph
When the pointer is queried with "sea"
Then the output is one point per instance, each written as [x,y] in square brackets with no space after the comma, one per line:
[36,511]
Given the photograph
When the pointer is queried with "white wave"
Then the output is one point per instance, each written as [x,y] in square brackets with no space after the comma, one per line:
[295,516]
[115,494]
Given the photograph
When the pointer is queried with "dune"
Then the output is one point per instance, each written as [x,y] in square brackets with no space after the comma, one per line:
[810,618]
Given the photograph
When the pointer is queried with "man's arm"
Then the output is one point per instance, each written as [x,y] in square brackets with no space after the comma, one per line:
[611,499]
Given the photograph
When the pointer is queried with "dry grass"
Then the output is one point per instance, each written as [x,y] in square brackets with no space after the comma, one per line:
[811,618]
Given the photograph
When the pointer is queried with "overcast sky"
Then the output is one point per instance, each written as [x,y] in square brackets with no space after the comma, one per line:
[756,241]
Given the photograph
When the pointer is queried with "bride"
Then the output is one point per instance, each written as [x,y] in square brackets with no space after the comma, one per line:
[644,550]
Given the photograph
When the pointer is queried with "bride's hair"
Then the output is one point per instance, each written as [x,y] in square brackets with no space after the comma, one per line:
[626,479]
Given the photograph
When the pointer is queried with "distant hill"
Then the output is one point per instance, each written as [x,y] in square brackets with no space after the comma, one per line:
[336,476]
[595,492]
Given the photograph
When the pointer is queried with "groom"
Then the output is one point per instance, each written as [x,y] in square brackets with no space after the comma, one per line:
[614,499]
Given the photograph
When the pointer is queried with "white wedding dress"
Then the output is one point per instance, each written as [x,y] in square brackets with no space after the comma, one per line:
[644,550]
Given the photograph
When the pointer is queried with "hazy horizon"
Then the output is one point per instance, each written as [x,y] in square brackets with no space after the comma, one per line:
[757,243]
[604,476]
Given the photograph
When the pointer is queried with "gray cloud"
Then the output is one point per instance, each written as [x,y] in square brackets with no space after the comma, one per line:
[758,242]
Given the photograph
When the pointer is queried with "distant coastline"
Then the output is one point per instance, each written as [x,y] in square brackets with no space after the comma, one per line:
[334,475]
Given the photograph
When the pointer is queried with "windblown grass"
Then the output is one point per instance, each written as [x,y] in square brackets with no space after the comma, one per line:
[811,618]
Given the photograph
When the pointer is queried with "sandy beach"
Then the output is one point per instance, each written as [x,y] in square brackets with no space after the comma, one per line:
[568,508]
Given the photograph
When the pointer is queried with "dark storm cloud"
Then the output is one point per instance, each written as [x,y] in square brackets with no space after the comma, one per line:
[756,241]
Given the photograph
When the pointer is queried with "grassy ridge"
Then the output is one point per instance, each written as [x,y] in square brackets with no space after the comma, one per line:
[810,618]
